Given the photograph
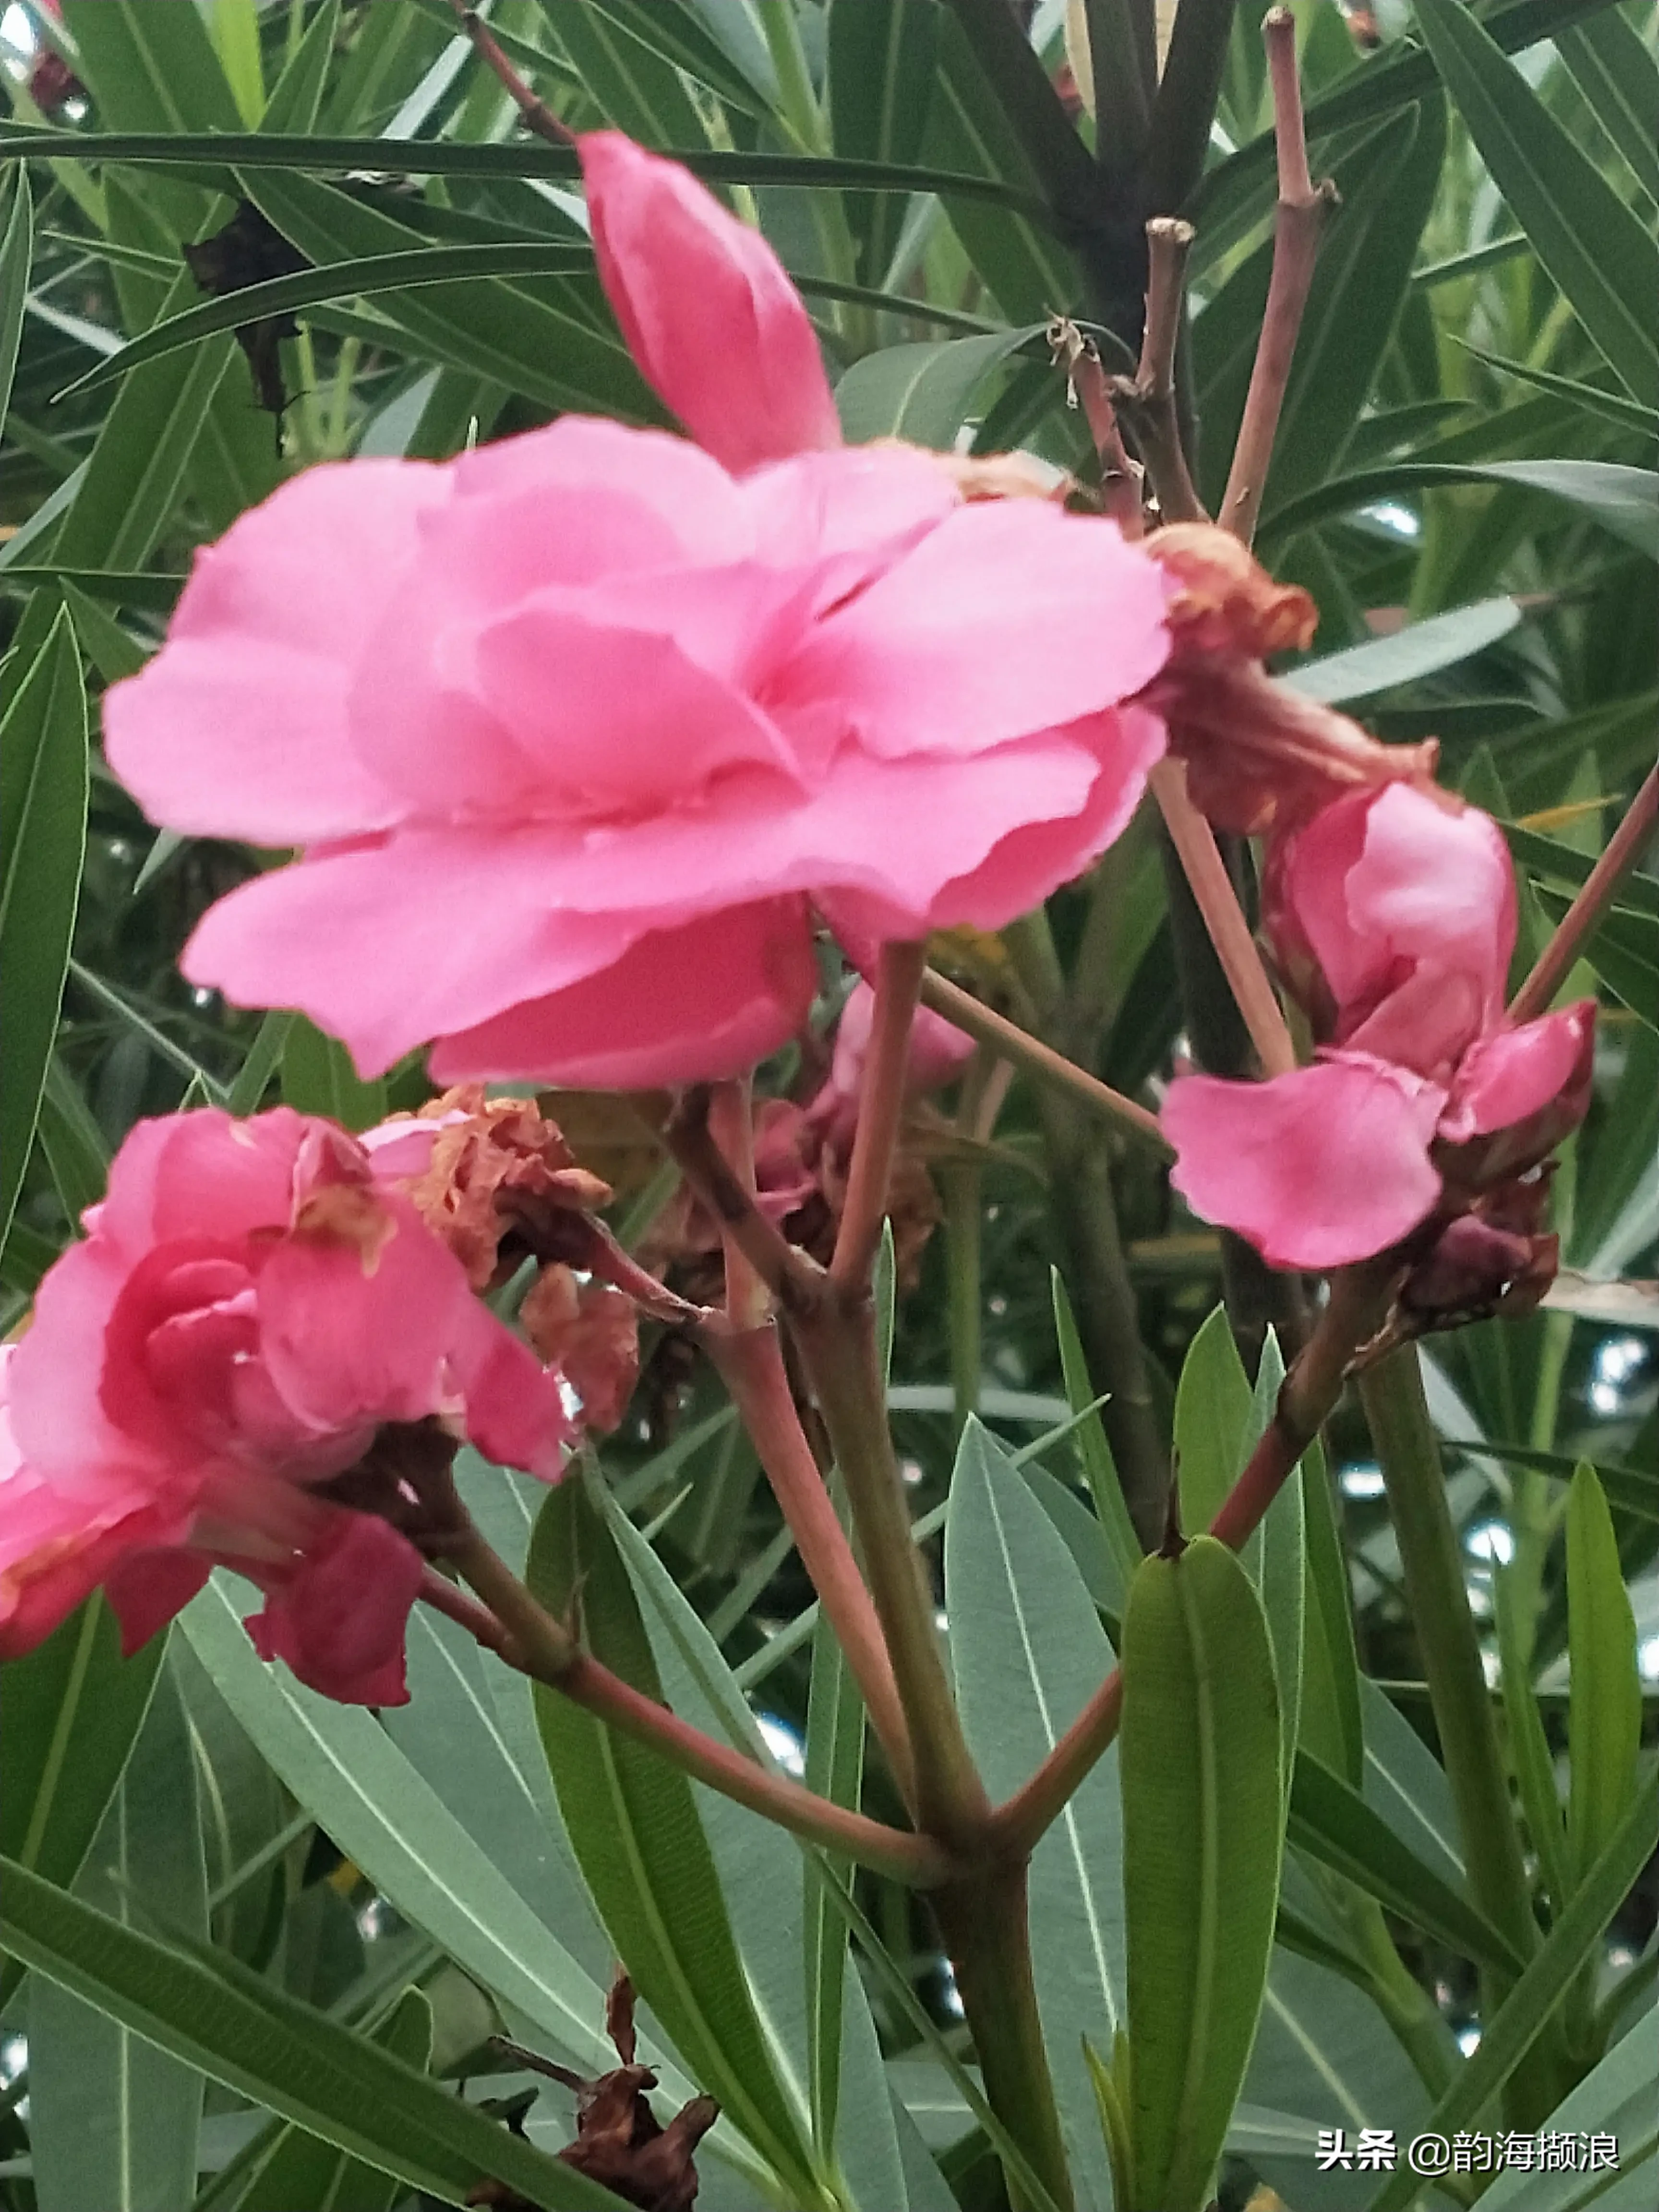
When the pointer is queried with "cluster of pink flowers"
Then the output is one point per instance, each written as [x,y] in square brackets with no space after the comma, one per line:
[580,737]
[1392,913]
[251,1309]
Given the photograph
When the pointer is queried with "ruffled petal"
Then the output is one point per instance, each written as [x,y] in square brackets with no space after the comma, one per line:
[687,1004]
[1515,1072]
[1315,1169]
[1008,618]
[710,317]
[240,728]
[340,1620]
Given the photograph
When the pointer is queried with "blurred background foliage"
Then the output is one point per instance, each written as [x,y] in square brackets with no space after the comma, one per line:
[1464,478]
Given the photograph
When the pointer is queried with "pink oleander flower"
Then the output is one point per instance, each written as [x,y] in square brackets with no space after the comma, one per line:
[251,1316]
[574,732]
[1393,915]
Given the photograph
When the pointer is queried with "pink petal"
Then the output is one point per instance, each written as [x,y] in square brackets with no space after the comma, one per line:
[938,1050]
[706,999]
[355,1324]
[340,1622]
[514,1406]
[238,728]
[852,511]
[57,1415]
[1009,619]
[595,730]
[147,1588]
[1315,1169]
[203,1173]
[1515,1072]
[711,318]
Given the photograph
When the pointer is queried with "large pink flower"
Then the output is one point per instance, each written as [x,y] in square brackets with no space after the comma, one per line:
[248,1311]
[573,729]
[1393,915]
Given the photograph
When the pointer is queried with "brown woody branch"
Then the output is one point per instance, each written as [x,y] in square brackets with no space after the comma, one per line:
[1297,221]
[1148,400]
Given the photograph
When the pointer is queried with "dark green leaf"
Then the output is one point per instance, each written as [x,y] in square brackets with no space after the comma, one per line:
[318,1078]
[43,830]
[632,86]
[296,97]
[1202,1832]
[299,2168]
[923,392]
[208,2009]
[68,1712]
[1028,1651]
[1511,2032]
[1422,648]
[1614,69]
[1099,1469]
[17,250]
[1624,500]
[72,1141]
[1597,250]
[1611,406]
[113,2120]
[1623,951]
[1333,1823]
[633,1824]
[1604,1714]
[881,78]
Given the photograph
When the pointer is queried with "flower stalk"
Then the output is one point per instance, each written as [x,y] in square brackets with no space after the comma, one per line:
[1625,848]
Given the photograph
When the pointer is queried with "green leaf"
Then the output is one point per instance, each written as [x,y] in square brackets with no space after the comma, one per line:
[1332,1727]
[834,1768]
[881,64]
[1276,1559]
[69,1713]
[1333,1823]
[1027,272]
[1028,1651]
[43,833]
[1422,648]
[1406,1784]
[342,1767]
[142,588]
[77,1154]
[1604,1713]
[1202,1835]
[138,465]
[297,95]
[150,68]
[318,1078]
[1623,951]
[1624,500]
[220,2017]
[551,343]
[16,251]
[233,26]
[300,2168]
[1614,69]
[341,280]
[1615,2098]
[1094,1452]
[672,31]
[634,88]
[924,391]
[1212,1415]
[1238,190]
[633,1824]
[113,2120]
[1564,864]
[1612,406]
[247,1094]
[1513,2030]
[1597,250]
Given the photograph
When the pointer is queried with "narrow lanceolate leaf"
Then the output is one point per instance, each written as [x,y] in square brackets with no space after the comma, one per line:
[1421,649]
[43,835]
[1521,2019]
[1604,1712]
[17,245]
[1028,1651]
[1203,1830]
[1614,68]
[881,67]
[633,1824]
[113,2121]
[299,2168]
[924,392]
[217,2014]
[318,1078]
[1095,1452]
[1595,247]
[634,88]
[1614,2098]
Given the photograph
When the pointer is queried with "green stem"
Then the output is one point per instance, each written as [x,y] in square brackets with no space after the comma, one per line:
[963,1223]
[984,1921]
[1403,2002]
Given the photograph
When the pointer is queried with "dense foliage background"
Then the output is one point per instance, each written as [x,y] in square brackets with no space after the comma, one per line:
[1463,478]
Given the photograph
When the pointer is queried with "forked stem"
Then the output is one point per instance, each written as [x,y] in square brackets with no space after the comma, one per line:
[1298,221]
[1148,398]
